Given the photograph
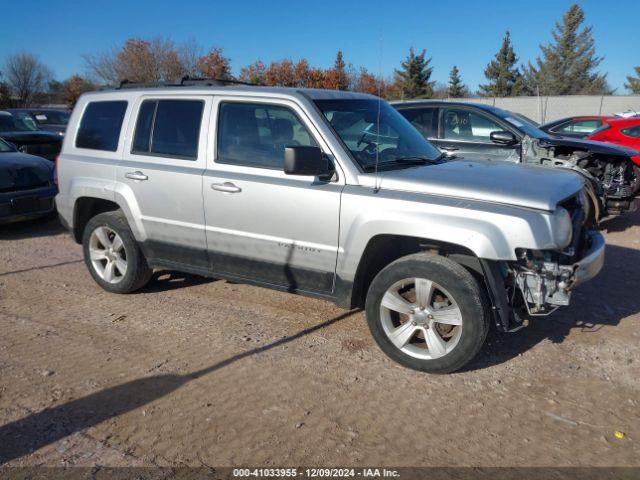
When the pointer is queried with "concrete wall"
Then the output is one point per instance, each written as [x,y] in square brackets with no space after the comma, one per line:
[546,109]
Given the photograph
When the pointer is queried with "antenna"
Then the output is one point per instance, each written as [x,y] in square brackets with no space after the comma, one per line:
[376,187]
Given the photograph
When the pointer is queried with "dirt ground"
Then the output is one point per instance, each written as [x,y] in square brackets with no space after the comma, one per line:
[196,372]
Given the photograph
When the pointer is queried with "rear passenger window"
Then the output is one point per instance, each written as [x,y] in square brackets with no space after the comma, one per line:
[256,134]
[168,128]
[425,120]
[100,125]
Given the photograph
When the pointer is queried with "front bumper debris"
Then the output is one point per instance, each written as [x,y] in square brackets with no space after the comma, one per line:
[548,285]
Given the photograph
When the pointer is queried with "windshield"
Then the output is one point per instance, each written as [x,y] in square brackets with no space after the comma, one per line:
[5,147]
[52,117]
[522,123]
[393,140]
[525,119]
[12,123]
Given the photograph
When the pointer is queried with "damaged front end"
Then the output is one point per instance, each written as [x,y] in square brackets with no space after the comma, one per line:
[545,279]
[613,179]
[541,281]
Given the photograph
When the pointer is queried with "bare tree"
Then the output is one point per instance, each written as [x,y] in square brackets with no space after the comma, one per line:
[189,53]
[26,77]
[139,60]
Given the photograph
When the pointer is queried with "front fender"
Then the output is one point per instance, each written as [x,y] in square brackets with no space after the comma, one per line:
[490,231]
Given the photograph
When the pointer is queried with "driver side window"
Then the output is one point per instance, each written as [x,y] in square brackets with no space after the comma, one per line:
[255,134]
[466,125]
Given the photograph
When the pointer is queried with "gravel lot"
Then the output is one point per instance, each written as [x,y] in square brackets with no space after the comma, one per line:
[197,372]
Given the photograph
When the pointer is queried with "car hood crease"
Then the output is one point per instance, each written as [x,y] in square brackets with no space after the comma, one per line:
[497,182]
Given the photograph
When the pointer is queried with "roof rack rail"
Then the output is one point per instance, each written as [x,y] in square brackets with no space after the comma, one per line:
[186,81]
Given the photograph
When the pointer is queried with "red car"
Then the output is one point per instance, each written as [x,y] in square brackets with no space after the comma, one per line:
[579,127]
[622,131]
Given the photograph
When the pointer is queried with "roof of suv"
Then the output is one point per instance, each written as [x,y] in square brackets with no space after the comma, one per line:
[314,94]
[423,103]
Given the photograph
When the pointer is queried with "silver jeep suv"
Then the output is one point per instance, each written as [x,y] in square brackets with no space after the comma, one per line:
[324,193]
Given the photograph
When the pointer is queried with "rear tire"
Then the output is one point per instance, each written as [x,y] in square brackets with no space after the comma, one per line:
[427,313]
[112,254]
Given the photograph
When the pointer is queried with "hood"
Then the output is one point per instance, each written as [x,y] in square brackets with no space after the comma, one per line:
[26,138]
[589,145]
[59,129]
[19,171]
[497,182]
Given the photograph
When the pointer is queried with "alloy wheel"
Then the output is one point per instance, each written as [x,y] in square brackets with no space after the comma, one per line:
[421,318]
[108,255]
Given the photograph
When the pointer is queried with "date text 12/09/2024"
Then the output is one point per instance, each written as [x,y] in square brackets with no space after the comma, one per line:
[315,472]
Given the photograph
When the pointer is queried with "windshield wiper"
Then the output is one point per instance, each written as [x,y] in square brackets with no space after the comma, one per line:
[409,160]
[414,159]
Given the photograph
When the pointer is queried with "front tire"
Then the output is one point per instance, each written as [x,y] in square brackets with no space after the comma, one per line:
[427,313]
[112,254]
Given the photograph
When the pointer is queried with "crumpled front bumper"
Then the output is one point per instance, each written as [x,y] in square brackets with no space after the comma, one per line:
[548,285]
[593,260]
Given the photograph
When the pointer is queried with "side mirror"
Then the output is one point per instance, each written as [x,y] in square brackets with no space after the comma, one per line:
[502,137]
[309,161]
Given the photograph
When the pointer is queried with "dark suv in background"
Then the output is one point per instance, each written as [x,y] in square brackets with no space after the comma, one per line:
[49,119]
[481,132]
[27,137]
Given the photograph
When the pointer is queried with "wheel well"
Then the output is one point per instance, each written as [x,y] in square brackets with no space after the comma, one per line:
[85,209]
[384,249]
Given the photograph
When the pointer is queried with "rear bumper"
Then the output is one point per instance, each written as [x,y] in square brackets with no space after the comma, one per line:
[26,204]
[593,260]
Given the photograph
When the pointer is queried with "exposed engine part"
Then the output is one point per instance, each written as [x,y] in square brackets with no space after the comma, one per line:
[545,287]
[613,179]
[543,279]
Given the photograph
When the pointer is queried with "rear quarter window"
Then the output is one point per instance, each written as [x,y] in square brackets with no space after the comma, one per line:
[632,131]
[100,125]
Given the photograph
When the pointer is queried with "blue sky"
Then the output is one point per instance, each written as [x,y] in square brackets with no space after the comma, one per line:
[373,34]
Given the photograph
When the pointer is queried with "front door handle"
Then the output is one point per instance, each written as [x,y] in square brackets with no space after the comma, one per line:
[137,175]
[448,148]
[227,187]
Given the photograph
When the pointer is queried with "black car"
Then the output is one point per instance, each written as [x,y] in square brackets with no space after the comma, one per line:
[27,137]
[49,119]
[482,132]
[27,185]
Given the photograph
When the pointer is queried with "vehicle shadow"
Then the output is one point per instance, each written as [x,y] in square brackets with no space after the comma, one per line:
[603,301]
[621,223]
[39,429]
[41,227]
[165,280]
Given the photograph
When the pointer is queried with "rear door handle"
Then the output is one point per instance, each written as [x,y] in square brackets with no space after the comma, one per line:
[448,148]
[227,187]
[137,175]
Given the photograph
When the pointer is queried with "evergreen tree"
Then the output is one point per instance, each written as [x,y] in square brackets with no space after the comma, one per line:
[504,76]
[340,69]
[413,77]
[568,64]
[634,82]
[456,89]
[336,78]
